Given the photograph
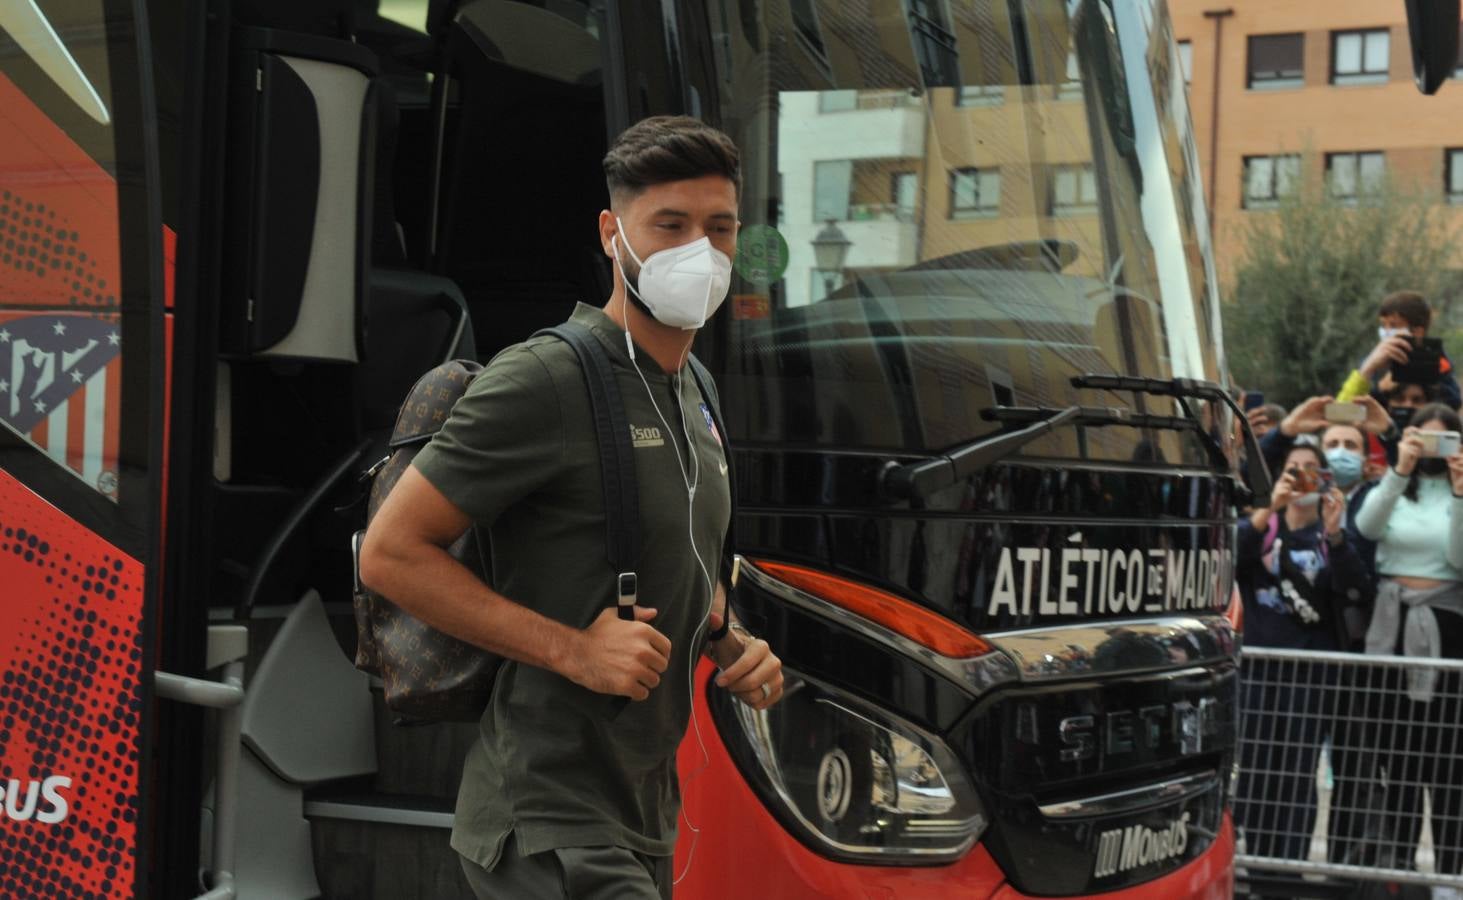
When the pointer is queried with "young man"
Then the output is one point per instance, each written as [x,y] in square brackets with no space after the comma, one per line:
[572,790]
[1403,317]
[1309,417]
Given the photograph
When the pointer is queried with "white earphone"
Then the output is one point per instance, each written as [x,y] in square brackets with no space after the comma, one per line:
[690,480]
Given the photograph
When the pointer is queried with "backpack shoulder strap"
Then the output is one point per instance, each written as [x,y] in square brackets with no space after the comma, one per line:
[1272,531]
[707,387]
[616,455]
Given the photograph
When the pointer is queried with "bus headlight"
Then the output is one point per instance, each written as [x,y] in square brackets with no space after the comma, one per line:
[853,781]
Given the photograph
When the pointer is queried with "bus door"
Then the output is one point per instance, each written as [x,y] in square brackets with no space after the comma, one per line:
[82,357]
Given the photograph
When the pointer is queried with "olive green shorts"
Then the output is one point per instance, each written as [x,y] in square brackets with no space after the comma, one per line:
[572,873]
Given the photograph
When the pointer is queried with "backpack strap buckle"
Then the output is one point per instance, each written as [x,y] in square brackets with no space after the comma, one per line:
[628,584]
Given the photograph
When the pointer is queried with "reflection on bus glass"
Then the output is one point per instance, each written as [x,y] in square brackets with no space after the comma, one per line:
[977,189]
[60,330]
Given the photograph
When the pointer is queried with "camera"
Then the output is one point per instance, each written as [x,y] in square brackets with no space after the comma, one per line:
[1309,481]
[1424,362]
[1438,443]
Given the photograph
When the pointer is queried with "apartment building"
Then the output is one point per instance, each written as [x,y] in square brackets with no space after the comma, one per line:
[1309,89]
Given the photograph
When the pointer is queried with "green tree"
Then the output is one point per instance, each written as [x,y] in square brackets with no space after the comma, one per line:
[1301,309]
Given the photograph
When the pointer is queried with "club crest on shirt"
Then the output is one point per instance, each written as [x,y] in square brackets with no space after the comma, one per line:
[711,424]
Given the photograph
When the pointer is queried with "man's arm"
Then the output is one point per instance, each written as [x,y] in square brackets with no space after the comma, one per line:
[746,662]
[404,558]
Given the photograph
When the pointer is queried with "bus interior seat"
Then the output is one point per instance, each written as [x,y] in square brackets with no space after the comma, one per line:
[295,273]
[324,328]
[543,40]
[414,320]
[523,185]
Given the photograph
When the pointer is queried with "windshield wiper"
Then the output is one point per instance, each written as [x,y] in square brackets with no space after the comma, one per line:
[920,479]
[1257,474]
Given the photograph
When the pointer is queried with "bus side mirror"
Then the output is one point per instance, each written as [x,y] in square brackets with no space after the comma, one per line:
[1432,29]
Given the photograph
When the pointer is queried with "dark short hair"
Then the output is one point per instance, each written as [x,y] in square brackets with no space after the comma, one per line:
[1313,449]
[1437,412]
[669,148]
[1410,305]
[1429,391]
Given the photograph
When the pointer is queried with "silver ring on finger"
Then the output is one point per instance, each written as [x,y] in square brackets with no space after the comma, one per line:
[766,691]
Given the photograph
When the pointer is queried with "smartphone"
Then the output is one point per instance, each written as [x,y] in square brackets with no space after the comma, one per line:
[1424,362]
[1345,413]
[1254,400]
[1438,443]
[1307,481]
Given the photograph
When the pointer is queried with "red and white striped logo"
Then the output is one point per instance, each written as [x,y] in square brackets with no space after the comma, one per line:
[61,389]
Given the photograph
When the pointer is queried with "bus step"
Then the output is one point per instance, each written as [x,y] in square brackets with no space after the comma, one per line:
[375,846]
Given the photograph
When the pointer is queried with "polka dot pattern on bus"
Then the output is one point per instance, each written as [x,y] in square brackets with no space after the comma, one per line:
[70,705]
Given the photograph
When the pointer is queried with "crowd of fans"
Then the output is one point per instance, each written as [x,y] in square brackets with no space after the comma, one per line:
[1360,549]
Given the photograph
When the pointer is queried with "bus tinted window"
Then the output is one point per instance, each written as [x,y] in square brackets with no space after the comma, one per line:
[916,251]
[60,329]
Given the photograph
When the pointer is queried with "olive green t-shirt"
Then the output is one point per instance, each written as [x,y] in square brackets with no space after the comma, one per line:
[559,765]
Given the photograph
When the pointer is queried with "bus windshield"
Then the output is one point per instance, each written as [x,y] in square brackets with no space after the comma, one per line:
[953,205]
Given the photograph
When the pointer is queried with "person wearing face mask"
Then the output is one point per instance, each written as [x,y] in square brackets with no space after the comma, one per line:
[1403,400]
[571,790]
[1294,566]
[1415,515]
[1402,319]
[1309,418]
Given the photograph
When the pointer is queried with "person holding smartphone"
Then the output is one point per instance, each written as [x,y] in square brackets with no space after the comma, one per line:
[1404,353]
[1415,515]
[1294,568]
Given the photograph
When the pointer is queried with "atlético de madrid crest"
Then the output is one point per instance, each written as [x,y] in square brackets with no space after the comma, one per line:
[57,373]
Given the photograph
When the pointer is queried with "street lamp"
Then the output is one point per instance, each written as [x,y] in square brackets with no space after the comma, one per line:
[830,252]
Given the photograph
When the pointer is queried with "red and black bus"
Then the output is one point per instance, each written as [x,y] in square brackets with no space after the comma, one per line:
[972,371]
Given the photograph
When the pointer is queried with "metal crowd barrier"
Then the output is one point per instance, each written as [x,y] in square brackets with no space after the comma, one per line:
[1351,766]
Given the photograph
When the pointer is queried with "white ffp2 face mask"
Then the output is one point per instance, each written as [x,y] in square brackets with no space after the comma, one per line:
[681,286]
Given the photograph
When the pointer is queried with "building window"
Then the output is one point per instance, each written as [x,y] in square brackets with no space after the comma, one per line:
[975,193]
[1360,57]
[904,194]
[1454,176]
[1268,179]
[934,42]
[1186,61]
[981,95]
[1350,175]
[832,184]
[1276,61]
[809,32]
[1074,191]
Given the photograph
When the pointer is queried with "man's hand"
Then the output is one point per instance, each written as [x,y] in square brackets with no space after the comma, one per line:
[1309,417]
[1282,493]
[614,656]
[747,665]
[1333,504]
[1409,451]
[1391,350]
[1377,420]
